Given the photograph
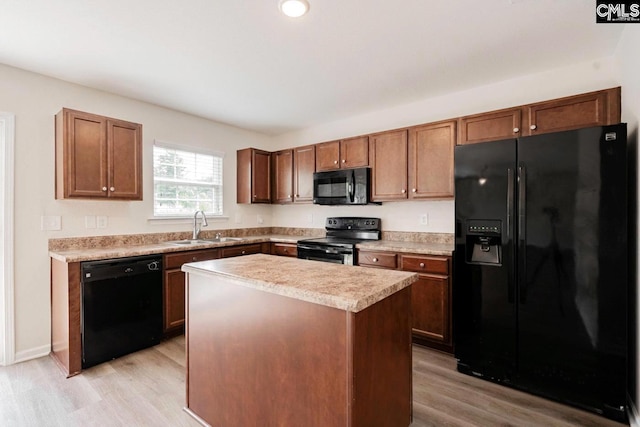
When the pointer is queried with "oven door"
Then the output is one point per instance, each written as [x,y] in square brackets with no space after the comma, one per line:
[324,253]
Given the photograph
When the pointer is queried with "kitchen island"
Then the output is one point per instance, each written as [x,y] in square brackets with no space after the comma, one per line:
[283,341]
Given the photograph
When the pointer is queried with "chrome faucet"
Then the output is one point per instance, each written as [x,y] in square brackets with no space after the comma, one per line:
[196,229]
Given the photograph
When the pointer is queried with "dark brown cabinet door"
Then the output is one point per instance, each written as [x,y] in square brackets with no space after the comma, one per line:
[284,249]
[255,248]
[492,126]
[354,152]
[261,177]
[125,159]
[431,160]
[283,176]
[174,300]
[304,165]
[97,157]
[253,181]
[574,112]
[388,161]
[328,156]
[430,300]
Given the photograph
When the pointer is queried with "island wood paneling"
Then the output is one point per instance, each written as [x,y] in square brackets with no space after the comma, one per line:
[257,358]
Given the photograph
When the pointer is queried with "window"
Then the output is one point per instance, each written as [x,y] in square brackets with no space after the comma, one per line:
[186,180]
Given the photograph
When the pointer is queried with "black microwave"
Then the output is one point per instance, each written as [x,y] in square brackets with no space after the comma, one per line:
[342,187]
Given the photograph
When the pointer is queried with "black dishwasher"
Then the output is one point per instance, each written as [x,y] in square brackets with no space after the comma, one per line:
[121,308]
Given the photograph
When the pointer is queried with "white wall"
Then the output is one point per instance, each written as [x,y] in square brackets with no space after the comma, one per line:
[405,216]
[35,99]
[628,63]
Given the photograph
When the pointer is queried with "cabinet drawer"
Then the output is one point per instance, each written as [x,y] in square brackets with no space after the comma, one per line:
[176,260]
[378,259]
[284,249]
[425,264]
[241,250]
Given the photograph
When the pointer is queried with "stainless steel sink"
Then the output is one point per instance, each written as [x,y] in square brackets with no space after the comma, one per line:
[224,239]
[187,242]
[197,241]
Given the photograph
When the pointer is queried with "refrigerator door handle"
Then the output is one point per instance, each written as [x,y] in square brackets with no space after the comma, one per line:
[509,202]
[522,236]
[510,196]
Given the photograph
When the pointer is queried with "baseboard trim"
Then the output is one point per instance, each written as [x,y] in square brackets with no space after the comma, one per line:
[32,353]
[634,419]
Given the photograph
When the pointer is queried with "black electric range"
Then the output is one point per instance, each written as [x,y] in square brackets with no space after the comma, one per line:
[339,244]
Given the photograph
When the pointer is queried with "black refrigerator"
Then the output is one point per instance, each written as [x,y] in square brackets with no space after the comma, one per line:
[540,292]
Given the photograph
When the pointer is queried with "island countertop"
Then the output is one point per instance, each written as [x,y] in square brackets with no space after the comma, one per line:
[333,285]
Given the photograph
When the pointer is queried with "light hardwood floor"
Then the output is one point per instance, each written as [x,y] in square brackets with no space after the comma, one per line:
[147,388]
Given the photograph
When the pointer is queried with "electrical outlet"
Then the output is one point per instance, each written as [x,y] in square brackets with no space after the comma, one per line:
[51,222]
[102,221]
[424,219]
[89,221]
[260,220]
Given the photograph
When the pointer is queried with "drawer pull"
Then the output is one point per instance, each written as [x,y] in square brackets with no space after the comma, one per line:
[516,130]
[244,252]
[422,265]
[533,127]
[375,259]
[195,258]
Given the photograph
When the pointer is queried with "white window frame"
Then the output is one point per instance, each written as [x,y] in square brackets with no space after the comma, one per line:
[7,322]
[191,149]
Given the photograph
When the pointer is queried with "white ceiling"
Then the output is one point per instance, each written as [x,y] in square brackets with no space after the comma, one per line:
[244,63]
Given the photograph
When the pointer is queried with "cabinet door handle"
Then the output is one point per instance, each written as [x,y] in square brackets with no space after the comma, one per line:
[404,191]
[104,188]
[335,162]
[516,130]
[112,189]
[533,127]
[255,196]
[344,161]
[375,260]
[422,265]
[414,190]
[288,196]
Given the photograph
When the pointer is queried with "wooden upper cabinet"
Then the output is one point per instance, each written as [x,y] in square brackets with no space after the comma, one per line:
[431,160]
[346,154]
[328,156]
[494,126]
[304,165]
[97,157]
[354,152]
[253,176]
[124,159]
[388,161]
[574,112]
[282,176]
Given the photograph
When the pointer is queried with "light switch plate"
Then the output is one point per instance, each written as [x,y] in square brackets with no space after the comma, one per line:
[90,221]
[50,222]
[101,221]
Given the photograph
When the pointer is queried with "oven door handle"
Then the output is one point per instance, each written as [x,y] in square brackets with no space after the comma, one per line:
[325,249]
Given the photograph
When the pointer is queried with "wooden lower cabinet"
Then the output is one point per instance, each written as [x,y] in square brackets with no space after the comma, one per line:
[173,287]
[284,249]
[430,295]
[253,248]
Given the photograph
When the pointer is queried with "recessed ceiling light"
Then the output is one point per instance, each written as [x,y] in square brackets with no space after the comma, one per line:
[294,8]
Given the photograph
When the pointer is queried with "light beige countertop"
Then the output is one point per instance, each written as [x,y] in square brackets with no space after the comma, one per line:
[334,285]
[445,249]
[99,253]
[107,247]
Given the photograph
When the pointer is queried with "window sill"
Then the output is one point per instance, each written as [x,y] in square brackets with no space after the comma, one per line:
[164,220]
